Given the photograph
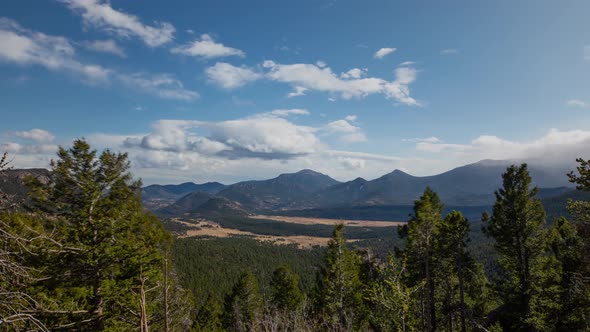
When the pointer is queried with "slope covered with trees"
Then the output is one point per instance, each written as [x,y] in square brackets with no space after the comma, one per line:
[86,256]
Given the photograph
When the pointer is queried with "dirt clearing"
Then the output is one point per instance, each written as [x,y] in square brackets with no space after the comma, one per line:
[332,222]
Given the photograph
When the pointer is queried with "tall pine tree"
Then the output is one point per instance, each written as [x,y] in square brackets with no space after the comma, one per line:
[516,225]
[340,293]
[420,235]
[109,271]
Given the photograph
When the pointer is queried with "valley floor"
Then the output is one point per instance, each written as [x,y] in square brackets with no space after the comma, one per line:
[200,227]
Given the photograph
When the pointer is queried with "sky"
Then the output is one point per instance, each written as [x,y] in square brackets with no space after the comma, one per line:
[229,90]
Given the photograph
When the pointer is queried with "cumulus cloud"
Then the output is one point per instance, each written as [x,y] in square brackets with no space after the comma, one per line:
[99,14]
[346,130]
[228,76]
[353,73]
[28,149]
[312,77]
[382,52]
[205,47]
[407,63]
[161,85]
[576,103]
[106,46]
[38,135]
[25,47]
[556,146]
[264,136]
[299,91]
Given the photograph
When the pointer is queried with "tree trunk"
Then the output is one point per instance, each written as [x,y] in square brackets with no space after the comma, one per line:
[98,302]
[431,321]
[166,319]
[462,296]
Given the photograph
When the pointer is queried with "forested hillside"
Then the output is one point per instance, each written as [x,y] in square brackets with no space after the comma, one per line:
[82,254]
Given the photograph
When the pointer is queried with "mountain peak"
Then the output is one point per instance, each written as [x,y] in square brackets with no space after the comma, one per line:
[309,171]
[399,172]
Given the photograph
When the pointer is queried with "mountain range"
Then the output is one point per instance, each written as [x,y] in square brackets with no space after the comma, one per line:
[157,196]
[471,185]
[468,186]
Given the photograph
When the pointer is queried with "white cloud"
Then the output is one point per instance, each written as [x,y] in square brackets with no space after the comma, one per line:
[346,131]
[161,85]
[229,77]
[106,46]
[350,118]
[407,63]
[101,15]
[576,103]
[311,77]
[287,112]
[299,91]
[38,135]
[555,147]
[28,149]
[449,51]
[431,139]
[222,150]
[382,52]
[205,47]
[353,73]
[25,47]
[264,136]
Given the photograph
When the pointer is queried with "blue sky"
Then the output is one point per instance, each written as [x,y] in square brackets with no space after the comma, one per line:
[232,90]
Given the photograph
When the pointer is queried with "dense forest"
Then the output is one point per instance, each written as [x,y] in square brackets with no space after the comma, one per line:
[82,254]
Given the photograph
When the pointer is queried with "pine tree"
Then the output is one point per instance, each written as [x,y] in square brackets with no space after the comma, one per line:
[209,316]
[110,268]
[566,246]
[420,235]
[286,293]
[454,235]
[573,240]
[341,287]
[393,301]
[516,225]
[244,305]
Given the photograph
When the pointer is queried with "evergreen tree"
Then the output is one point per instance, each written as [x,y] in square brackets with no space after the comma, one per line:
[454,235]
[286,294]
[574,255]
[420,235]
[516,225]
[566,245]
[209,318]
[244,305]
[341,288]
[109,270]
[394,303]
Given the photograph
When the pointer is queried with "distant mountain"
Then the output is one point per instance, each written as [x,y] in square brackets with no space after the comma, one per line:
[12,183]
[186,205]
[556,206]
[469,185]
[201,205]
[157,196]
[287,191]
